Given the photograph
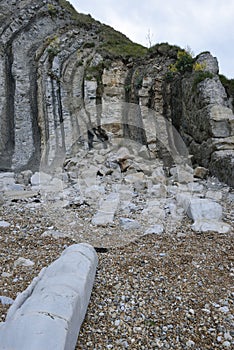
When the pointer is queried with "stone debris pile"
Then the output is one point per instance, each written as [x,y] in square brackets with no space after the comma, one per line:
[120,188]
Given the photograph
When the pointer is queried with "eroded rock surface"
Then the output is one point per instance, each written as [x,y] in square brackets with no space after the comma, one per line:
[64,81]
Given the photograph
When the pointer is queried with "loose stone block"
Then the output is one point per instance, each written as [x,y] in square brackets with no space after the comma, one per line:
[106,212]
[204,209]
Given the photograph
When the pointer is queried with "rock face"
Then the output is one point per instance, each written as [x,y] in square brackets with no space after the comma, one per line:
[200,110]
[66,79]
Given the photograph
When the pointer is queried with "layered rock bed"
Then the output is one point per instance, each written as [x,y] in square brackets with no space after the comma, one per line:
[164,240]
[163,230]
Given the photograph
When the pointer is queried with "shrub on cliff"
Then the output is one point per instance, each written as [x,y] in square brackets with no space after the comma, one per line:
[184,62]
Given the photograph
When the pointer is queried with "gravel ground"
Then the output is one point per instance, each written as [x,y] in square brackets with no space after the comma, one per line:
[168,291]
[163,292]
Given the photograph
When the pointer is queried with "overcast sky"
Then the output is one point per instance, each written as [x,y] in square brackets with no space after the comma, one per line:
[202,25]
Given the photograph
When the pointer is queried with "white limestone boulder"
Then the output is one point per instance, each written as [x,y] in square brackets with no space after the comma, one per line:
[208,225]
[106,211]
[129,224]
[200,208]
[207,216]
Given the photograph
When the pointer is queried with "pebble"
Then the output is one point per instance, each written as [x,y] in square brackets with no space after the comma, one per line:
[129,224]
[181,235]
[162,254]
[227,336]
[206,310]
[6,274]
[53,233]
[156,229]
[23,262]
[117,323]
[190,343]
[191,311]
[6,300]
[224,309]
[226,344]
[4,224]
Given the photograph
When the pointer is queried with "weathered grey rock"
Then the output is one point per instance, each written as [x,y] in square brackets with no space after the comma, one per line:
[20,195]
[200,209]
[40,179]
[89,176]
[201,172]
[123,153]
[136,177]
[209,63]
[157,191]
[14,188]
[1,198]
[94,193]
[7,175]
[140,186]
[126,193]
[212,93]
[4,224]
[23,262]
[154,211]
[184,176]
[211,225]
[155,229]
[206,215]
[194,187]
[222,121]
[214,195]
[222,166]
[158,176]
[204,119]
[54,234]
[24,177]
[144,152]
[106,211]
[7,181]
[46,110]
[6,300]
[49,313]
[129,224]
[183,199]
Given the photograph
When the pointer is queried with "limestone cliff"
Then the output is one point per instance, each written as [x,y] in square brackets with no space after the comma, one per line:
[60,72]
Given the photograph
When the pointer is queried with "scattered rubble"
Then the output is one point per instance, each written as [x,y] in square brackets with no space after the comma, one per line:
[153,234]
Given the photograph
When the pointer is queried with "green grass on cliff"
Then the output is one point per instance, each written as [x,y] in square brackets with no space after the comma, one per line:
[112,41]
[118,44]
[80,18]
[164,49]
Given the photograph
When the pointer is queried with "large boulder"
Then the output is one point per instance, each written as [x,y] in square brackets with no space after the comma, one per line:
[49,313]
